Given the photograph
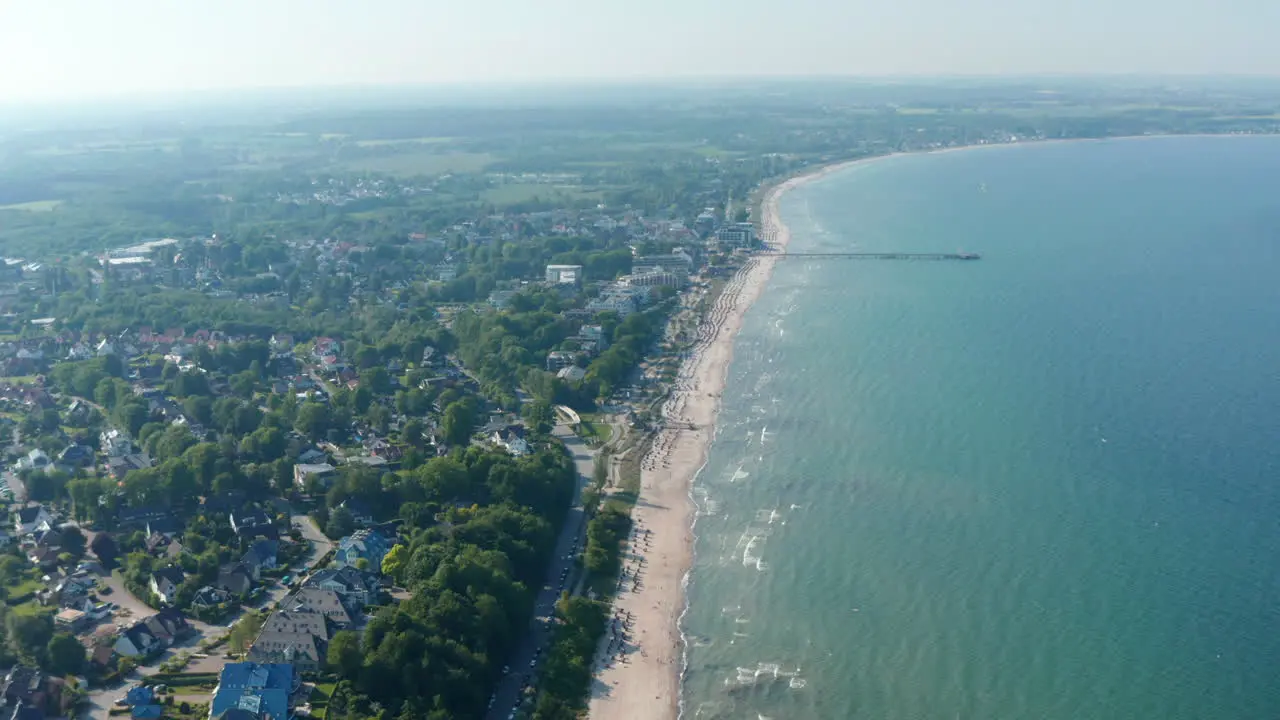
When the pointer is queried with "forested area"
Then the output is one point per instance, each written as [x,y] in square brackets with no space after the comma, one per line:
[472,574]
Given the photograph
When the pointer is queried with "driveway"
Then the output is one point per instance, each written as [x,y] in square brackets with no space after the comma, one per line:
[311,532]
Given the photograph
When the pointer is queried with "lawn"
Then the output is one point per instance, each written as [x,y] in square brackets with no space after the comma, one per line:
[34,206]
[593,428]
[421,162]
[18,379]
[320,699]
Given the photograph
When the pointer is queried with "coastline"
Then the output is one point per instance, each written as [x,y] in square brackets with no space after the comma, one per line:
[645,681]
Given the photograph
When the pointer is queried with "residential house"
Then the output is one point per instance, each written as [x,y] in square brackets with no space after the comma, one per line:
[45,558]
[572,374]
[26,687]
[312,456]
[146,712]
[28,520]
[102,655]
[367,545]
[152,634]
[358,588]
[591,339]
[78,410]
[300,638]
[164,583]
[35,460]
[70,619]
[326,602]
[619,303]
[140,695]
[131,517]
[253,523]
[260,556]
[558,359]
[137,640]
[209,597]
[71,592]
[75,456]
[254,690]
[235,579]
[120,465]
[323,472]
[511,439]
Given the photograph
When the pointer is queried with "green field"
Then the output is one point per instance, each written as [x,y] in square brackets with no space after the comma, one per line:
[421,162]
[34,206]
[405,141]
[524,192]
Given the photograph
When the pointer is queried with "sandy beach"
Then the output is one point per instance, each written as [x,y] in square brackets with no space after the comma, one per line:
[637,670]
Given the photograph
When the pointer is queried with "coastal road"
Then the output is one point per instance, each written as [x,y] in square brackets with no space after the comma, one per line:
[510,688]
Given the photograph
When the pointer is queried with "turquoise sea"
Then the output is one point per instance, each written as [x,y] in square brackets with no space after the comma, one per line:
[1044,485]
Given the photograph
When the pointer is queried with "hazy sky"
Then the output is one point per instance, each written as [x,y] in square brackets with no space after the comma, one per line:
[74,48]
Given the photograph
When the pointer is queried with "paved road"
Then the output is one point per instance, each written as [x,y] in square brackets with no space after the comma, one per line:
[573,533]
[311,532]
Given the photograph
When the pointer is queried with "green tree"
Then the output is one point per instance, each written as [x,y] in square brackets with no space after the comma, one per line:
[11,567]
[46,486]
[244,631]
[457,423]
[313,420]
[243,384]
[66,655]
[132,416]
[84,493]
[73,541]
[376,379]
[393,564]
[341,523]
[28,634]
[199,408]
[539,416]
[344,655]
[412,433]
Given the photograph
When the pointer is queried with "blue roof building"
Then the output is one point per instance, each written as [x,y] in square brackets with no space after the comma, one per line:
[260,689]
[368,545]
[140,695]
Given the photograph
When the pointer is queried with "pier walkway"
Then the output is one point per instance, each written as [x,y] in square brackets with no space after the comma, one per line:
[872,256]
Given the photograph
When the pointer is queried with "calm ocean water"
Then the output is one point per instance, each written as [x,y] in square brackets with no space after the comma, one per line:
[1045,485]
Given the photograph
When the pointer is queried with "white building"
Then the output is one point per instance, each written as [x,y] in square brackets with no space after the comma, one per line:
[564,274]
[737,235]
[624,305]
